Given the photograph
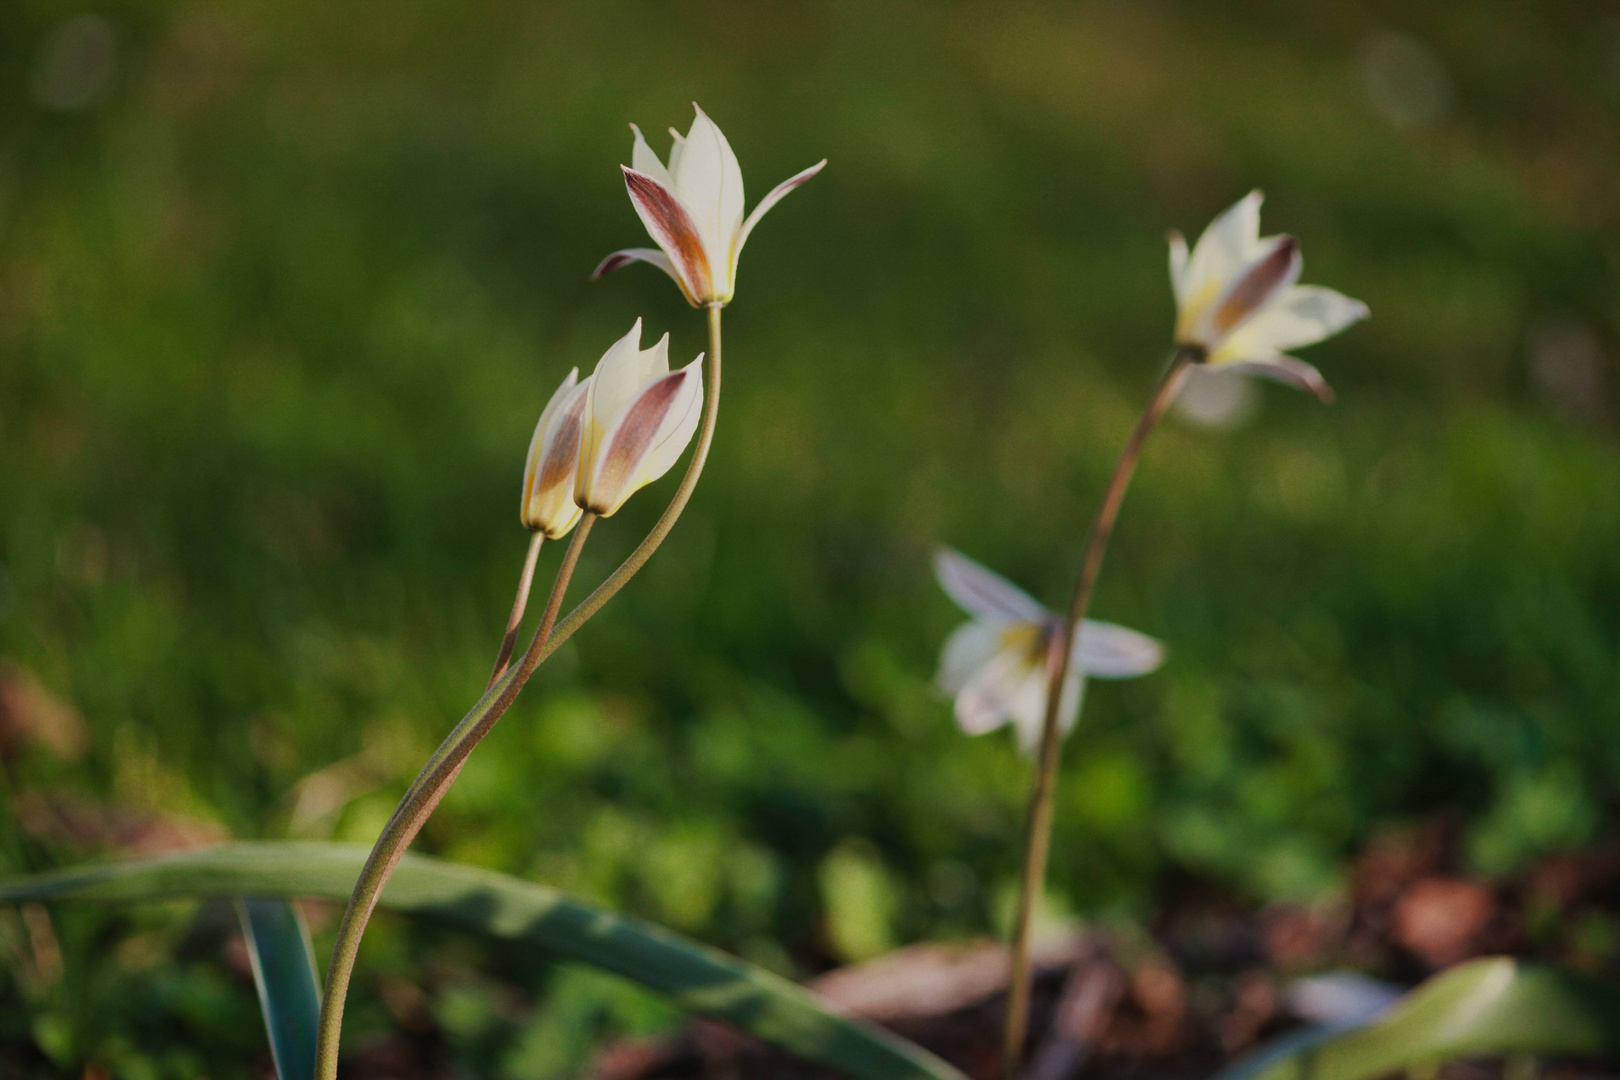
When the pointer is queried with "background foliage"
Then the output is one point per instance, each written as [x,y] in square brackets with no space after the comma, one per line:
[286,285]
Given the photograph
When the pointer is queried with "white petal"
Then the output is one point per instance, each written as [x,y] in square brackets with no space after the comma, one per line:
[655,361]
[1028,709]
[675,149]
[670,225]
[1229,241]
[984,594]
[1224,248]
[558,396]
[549,505]
[985,703]
[1271,273]
[1284,369]
[709,184]
[643,160]
[642,441]
[1178,265]
[1109,651]
[769,201]
[537,445]
[968,649]
[680,423]
[1303,315]
[613,385]
[627,256]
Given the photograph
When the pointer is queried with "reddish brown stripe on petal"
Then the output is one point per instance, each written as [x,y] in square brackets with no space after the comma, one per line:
[674,229]
[612,263]
[633,439]
[562,456]
[1257,285]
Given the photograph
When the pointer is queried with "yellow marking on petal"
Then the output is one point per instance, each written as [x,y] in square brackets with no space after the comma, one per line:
[1194,308]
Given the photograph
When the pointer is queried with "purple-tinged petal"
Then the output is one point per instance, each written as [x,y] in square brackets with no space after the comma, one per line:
[770,200]
[672,228]
[1287,370]
[982,593]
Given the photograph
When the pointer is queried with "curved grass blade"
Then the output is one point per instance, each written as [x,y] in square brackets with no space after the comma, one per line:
[695,976]
[1478,1009]
[284,974]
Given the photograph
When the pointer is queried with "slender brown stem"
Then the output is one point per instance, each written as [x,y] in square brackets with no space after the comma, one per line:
[522,601]
[412,813]
[1038,831]
[445,764]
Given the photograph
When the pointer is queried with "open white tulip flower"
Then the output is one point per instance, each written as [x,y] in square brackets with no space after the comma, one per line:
[1239,305]
[693,207]
[999,666]
[548,475]
[637,418]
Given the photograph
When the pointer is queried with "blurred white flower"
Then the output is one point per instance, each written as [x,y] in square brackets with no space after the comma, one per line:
[999,666]
[548,475]
[638,416]
[694,210]
[1238,304]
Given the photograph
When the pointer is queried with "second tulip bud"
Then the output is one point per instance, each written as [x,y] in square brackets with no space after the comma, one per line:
[638,417]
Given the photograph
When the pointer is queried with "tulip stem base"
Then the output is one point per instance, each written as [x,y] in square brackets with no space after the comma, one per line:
[445,764]
[1038,825]
[525,580]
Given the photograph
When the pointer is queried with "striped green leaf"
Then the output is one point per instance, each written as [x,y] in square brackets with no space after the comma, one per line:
[284,973]
[693,975]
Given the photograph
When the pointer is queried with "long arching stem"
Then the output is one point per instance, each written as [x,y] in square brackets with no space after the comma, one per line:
[1038,834]
[525,580]
[408,819]
[442,768]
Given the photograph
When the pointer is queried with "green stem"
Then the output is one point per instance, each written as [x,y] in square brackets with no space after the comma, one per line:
[525,580]
[1038,832]
[637,558]
[442,768]
[413,812]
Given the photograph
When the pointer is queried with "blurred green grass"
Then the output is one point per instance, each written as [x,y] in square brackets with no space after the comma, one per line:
[282,295]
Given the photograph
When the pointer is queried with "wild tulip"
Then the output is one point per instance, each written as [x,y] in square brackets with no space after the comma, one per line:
[1000,665]
[549,474]
[1238,304]
[693,208]
[638,417]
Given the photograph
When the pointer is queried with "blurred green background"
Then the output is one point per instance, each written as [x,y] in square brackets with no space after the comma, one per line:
[283,287]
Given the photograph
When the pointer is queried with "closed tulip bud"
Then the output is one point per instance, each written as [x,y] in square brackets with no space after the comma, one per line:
[693,208]
[548,475]
[1238,304]
[1000,666]
[638,417]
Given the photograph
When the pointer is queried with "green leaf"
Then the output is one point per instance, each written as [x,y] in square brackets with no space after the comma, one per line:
[289,989]
[695,976]
[1481,1008]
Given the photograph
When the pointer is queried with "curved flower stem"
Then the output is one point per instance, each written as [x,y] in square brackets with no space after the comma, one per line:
[1038,834]
[442,768]
[413,812]
[636,559]
[518,604]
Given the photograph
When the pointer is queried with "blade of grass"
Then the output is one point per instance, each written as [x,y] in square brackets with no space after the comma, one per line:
[1480,1008]
[695,976]
[284,973]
